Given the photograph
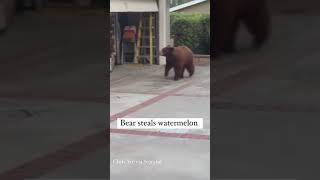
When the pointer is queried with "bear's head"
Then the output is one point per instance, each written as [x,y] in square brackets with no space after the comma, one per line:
[167,51]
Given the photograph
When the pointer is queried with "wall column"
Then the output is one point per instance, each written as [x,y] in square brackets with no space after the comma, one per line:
[164,26]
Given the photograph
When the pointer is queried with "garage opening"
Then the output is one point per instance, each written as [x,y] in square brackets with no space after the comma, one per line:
[135,40]
[135,31]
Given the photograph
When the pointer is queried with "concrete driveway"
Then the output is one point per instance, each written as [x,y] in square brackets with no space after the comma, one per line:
[53,97]
[266,105]
[139,91]
[54,112]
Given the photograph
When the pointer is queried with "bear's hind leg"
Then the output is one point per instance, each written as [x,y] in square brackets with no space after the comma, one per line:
[190,69]
[182,72]
[229,44]
[226,21]
[258,24]
[177,73]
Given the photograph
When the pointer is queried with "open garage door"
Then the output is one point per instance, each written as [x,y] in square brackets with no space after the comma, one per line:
[143,47]
[133,6]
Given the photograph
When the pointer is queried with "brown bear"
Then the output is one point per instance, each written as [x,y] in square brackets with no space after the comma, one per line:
[179,58]
[227,17]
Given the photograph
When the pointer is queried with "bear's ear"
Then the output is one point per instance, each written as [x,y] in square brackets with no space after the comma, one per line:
[170,49]
[167,51]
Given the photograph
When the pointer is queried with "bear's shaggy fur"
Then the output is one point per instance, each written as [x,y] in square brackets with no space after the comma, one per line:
[227,16]
[179,58]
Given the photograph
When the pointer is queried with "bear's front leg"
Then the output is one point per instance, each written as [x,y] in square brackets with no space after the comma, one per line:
[177,73]
[182,72]
[167,69]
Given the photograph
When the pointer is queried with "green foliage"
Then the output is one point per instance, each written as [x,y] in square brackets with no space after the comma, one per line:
[191,30]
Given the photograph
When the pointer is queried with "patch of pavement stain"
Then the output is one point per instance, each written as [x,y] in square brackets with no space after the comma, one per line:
[16,114]
[309,74]
[304,88]
[154,86]
[19,113]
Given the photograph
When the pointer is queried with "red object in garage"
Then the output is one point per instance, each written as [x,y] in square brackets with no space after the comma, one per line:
[129,33]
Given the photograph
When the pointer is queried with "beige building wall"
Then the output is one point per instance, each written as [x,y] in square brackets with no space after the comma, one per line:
[164,27]
[199,8]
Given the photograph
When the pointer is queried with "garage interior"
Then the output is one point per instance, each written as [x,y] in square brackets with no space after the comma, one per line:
[136,34]
[134,31]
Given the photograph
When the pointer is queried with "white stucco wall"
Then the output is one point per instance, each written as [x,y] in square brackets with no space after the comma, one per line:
[164,26]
